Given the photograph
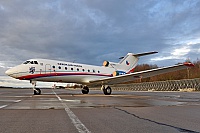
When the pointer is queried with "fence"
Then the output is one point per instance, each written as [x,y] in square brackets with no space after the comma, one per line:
[170,85]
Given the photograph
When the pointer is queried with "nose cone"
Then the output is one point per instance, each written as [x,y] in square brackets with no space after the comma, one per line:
[9,72]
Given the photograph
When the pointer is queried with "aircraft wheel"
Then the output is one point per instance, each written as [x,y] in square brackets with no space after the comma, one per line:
[37,91]
[107,90]
[85,90]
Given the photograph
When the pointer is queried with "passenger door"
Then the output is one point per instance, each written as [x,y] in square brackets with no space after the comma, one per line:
[47,68]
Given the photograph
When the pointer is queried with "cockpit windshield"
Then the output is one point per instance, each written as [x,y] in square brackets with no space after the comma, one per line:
[30,62]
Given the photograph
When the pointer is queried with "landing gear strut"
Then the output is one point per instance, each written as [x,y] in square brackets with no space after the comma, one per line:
[85,90]
[36,91]
[106,90]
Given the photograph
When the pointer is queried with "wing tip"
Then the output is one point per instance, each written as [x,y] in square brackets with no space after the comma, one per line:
[188,64]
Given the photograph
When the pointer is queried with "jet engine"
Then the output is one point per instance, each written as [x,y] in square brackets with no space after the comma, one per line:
[106,63]
[117,73]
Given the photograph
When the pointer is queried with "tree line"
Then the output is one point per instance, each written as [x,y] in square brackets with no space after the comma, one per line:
[189,73]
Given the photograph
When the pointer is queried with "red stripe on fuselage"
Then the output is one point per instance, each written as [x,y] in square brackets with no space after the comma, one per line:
[33,76]
[131,71]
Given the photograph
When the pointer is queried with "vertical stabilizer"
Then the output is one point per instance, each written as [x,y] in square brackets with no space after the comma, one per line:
[129,62]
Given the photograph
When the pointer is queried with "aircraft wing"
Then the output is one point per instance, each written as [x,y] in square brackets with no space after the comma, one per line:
[142,74]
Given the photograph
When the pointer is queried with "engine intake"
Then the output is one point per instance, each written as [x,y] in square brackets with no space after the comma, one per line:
[106,63]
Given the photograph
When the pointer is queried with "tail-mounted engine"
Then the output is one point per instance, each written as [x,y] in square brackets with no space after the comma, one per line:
[117,73]
[111,64]
[106,63]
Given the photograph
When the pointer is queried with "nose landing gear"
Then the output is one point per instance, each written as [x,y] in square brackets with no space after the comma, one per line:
[36,91]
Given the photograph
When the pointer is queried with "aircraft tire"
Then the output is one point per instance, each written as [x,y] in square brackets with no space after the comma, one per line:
[107,90]
[85,90]
[37,91]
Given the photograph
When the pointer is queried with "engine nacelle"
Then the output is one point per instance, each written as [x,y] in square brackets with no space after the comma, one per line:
[106,63]
[117,73]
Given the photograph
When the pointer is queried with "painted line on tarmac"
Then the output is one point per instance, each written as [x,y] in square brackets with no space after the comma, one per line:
[15,101]
[3,106]
[17,96]
[75,101]
[77,123]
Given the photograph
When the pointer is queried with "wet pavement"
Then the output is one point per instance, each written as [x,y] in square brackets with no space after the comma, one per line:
[122,112]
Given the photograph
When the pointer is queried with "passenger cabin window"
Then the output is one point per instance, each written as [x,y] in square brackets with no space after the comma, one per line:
[59,67]
[65,68]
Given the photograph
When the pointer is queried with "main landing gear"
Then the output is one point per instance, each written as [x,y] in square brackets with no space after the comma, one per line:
[85,90]
[106,90]
[36,91]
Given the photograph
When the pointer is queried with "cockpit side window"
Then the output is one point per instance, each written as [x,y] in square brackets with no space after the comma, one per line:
[26,62]
[35,62]
[30,62]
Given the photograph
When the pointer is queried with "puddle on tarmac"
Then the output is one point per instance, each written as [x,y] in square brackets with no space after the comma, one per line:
[165,103]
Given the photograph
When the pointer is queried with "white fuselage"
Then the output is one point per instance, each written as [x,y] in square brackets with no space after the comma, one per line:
[59,71]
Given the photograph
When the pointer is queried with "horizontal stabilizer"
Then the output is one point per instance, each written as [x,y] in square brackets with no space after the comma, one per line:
[147,53]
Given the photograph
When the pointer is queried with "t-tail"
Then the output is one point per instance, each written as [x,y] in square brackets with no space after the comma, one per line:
[126,64]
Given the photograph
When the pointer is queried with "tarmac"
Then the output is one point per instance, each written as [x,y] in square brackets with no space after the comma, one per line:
[69,111]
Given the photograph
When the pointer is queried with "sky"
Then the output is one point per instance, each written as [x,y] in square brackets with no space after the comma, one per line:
[88,31]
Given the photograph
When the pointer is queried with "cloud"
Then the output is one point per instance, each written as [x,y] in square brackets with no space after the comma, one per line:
[92,31]
[181,52]
[10,82]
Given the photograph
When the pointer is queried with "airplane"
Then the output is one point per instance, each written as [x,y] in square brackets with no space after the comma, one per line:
[88,75]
